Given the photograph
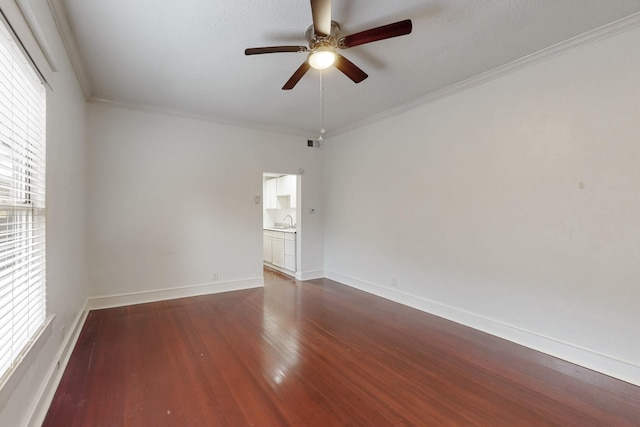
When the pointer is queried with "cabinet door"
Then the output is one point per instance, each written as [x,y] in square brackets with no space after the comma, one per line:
[273,195]
[266,195]
[289,247]
[290,262]
[294,191]
[267,252]
[277,246]
[290,251]
[269,194]
[283,185]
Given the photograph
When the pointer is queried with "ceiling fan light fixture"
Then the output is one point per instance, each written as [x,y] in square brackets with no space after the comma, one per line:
[322,58]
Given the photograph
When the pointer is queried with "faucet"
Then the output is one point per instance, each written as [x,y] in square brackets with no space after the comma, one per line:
[290,217]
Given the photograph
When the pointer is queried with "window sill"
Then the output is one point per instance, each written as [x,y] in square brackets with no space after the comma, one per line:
[14,377]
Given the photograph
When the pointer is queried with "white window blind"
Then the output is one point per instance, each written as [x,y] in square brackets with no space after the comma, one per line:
[22,202]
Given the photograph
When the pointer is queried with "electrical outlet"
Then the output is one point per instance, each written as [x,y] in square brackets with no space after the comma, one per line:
[394,281]
[215,276]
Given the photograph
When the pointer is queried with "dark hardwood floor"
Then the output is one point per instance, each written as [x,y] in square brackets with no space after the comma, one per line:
[317,354]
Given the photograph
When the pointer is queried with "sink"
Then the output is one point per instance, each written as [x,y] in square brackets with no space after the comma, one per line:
[282,227]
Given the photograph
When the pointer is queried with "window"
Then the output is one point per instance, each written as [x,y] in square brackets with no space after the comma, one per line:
[22,202]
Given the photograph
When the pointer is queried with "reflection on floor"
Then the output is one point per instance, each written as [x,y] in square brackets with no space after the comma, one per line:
[317,353]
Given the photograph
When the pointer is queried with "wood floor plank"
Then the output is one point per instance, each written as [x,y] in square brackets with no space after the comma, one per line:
[317,353]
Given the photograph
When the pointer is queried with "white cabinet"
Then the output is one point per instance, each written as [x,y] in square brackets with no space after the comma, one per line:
[271,195]
[290,251]
[286,187]
[266,194]
[277,191]
[279,249]
[283,185]
[267,251]
[293,187]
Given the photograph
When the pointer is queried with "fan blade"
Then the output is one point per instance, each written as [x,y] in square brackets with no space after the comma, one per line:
[295,78]
[400,28]
[321,12]
[274,49]
[350,69]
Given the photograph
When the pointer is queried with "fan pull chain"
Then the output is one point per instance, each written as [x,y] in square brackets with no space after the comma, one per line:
[322,131]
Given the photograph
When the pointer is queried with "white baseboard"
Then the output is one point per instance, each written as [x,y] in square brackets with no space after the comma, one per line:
[110,301]
[310,275]
[54,374]
[585,357]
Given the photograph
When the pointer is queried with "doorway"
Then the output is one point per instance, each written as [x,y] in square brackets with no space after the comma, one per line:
[281,230]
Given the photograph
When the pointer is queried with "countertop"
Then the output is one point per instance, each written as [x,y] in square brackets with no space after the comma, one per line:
[284,230]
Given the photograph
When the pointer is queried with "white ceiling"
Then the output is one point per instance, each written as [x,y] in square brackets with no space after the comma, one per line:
[188,55]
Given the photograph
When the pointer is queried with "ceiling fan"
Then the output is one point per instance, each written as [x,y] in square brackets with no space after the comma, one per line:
[324,39]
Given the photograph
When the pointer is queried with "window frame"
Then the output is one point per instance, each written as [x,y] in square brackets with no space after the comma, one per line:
[23,207]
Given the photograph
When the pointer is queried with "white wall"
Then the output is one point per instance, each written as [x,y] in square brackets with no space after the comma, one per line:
[66,284]
[171,200]
[513,206]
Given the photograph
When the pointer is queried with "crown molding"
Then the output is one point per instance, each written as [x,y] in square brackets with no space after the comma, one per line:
[59,13]
[606,31]
[201,117]
[609,30]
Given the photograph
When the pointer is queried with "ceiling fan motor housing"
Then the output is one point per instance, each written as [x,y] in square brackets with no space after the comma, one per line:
[329,41]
